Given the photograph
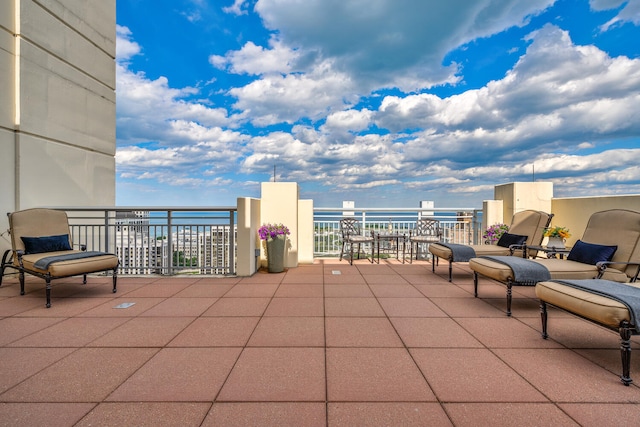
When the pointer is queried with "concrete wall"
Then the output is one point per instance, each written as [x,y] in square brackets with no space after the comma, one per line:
[57,109]
[574,213]
[519,196]
[247,242]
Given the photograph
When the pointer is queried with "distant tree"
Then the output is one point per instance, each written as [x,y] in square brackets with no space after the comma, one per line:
[180,260]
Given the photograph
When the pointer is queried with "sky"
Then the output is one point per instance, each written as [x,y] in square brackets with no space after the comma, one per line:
[382,102]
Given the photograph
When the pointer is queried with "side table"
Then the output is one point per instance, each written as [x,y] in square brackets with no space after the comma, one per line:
[551,251]
[390,242]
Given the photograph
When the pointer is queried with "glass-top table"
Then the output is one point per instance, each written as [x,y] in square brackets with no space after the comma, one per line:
[389,243]
[551,251]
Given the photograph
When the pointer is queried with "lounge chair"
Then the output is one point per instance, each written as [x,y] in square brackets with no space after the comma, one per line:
[527,223]
[41,246]
[609,249]
[610,304]
[351,235]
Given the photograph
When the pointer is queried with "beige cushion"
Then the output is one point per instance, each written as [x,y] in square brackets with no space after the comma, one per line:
[594,307]
[558,268]
[72,267]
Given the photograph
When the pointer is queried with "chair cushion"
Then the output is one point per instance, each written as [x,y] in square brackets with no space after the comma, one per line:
[508,239]
[445,253]
[590,253]
[598,308]
[37,245]
[71,267]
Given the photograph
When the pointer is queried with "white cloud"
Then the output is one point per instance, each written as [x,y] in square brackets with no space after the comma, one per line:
[630,11]
[256,60]
[125,46]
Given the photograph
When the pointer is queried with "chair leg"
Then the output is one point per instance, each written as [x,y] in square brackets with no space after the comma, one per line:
[451,272]
[625,353]
[475,284]
[543,317]
[4,264]
[48,291]
[115,279]
[84,279]
[21,278]
[509,297]
[434,259]
[411,253]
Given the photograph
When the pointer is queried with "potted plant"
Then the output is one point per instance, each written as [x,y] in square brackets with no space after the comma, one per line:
[493,233]
[275,237]
[557,236]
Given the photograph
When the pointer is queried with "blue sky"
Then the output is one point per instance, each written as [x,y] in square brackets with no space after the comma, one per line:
[383,102]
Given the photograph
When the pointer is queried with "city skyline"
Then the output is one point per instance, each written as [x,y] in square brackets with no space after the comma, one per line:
[385,103]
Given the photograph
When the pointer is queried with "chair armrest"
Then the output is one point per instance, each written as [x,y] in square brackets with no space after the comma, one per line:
[515,247]
[602,266]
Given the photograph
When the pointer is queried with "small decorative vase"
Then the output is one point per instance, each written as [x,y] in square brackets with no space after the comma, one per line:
[556,242]
[275,254]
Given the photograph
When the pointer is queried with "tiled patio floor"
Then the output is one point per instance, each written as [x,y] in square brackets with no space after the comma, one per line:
[320,345]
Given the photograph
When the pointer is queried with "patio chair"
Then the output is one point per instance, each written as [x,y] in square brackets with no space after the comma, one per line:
[609,249]
[529,224]
[41,246]
[427,231]
[351,235]
[610,304]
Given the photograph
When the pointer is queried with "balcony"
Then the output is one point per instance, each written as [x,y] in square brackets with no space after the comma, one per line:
[325,344]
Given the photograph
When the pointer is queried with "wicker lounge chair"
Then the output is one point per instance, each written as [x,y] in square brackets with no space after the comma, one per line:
[617,228]
[527,223]
[41,246]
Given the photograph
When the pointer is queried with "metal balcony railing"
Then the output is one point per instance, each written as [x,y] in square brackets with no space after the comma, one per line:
[195,240]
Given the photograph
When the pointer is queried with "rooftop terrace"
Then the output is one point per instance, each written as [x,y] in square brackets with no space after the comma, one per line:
[327,344]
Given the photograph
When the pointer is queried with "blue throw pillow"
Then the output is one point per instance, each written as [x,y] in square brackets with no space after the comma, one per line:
[589,253]
[38,245]
[507,240]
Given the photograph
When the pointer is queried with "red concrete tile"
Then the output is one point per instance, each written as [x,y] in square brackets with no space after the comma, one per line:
[262,277]
[277,374]
[238,307]
[199,290]
[146,414]
[87,375]
[144,332]
[385,279]
[300,291]
[64,307]
[252,290]
[387,414]
[610,359]
[574,332]
[19,364]
[352,307]
[395,291]
[289,332]
[180,307]
[109,308]
[433,332]
[179,375]
[316,279]
[42,414]
[597,415]
[508,414]
[374,374]
[265,414]
[505,332]
[467,307]
[343,279]
[74,332]
[344,291]
[216,332]
[564,376]
[375,269]
[472,375]
[22,303]
[15,328]
[443,290]
[159,289]
[295,307]
[361,332]
[410,307]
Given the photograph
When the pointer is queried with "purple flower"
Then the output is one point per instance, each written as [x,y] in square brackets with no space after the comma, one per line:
[271,231]
[493,233]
